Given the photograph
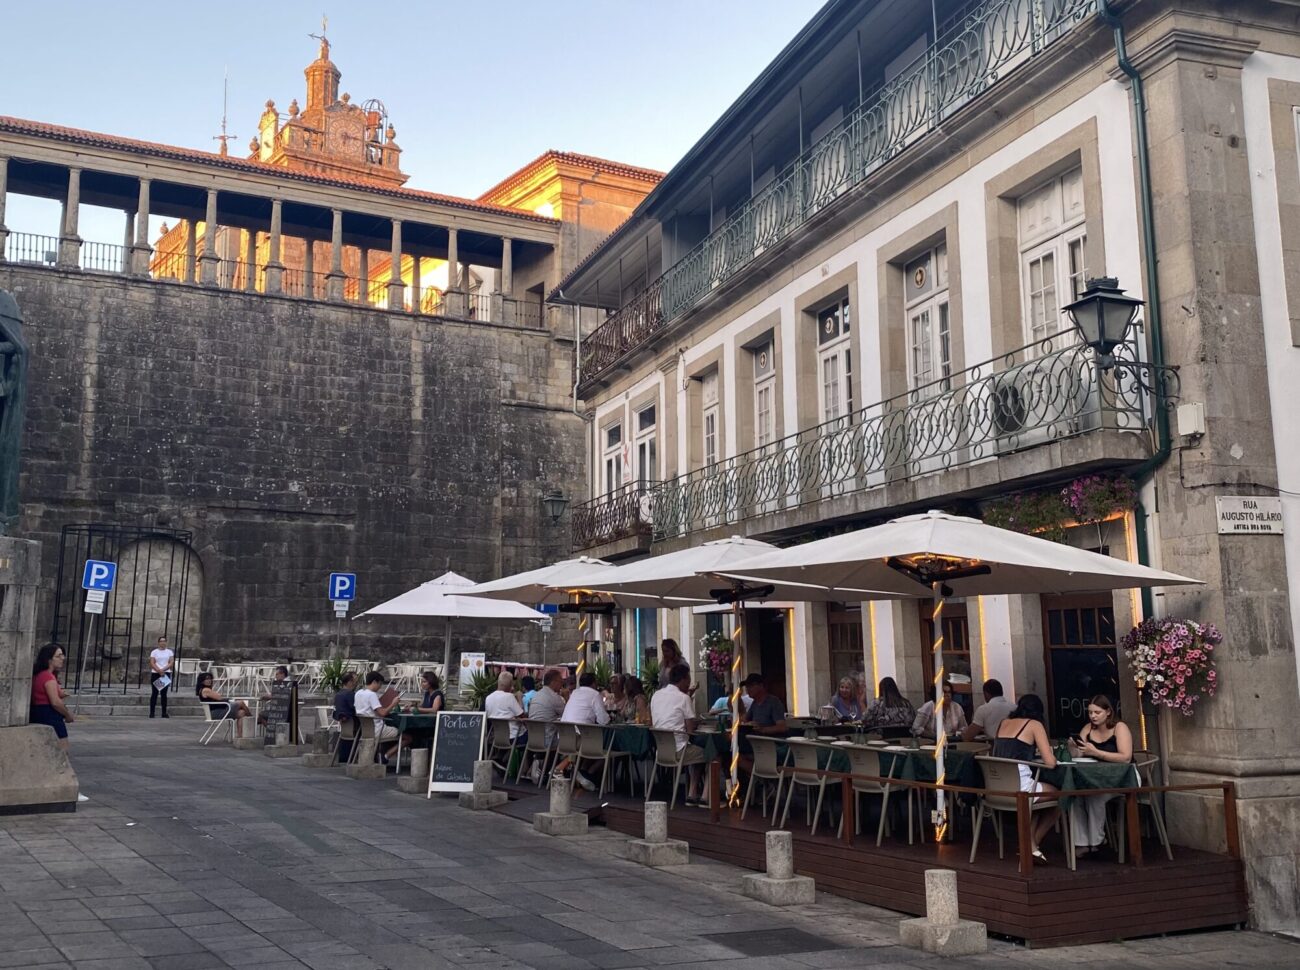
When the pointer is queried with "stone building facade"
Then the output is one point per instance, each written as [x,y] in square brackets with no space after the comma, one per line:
[845,304]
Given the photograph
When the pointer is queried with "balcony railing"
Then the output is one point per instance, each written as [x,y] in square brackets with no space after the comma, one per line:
[1046,392]
[620,514]
[973,51]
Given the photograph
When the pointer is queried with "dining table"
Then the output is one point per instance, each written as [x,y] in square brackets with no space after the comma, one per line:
[1081,774]
[418,727]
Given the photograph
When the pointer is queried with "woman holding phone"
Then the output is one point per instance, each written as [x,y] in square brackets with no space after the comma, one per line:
[1104,738]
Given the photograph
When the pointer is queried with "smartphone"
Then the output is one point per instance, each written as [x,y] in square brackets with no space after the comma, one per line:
[1077,739]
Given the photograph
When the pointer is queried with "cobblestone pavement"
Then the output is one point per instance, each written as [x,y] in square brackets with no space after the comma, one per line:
[188,858]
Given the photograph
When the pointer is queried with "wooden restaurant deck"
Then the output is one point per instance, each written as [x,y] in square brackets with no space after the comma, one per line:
[1101,900]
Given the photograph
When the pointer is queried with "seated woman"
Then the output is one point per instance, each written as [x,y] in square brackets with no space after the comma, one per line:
[1106,738]
[636,709]
[1022,737]
[890,712]
[845,701]
[47,705]
[222,707]
[433,700]
[954,717]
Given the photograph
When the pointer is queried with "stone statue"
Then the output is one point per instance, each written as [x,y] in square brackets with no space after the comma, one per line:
[13,393]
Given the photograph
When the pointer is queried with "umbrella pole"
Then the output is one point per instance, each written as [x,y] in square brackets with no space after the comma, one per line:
[737,664]
[940,719]
[446,650]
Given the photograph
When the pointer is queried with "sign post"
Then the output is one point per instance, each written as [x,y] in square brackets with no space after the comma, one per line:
[341,590]
[97,580]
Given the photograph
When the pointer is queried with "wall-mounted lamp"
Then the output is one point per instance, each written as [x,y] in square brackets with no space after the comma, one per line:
[555,503]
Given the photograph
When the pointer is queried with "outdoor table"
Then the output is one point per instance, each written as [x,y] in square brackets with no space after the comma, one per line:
[416,725]
[637,741]
[1078,776]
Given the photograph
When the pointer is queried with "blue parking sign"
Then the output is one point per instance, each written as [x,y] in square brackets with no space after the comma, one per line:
[342,586]
[98,574]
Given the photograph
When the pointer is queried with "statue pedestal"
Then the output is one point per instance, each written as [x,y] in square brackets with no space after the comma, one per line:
[36,776]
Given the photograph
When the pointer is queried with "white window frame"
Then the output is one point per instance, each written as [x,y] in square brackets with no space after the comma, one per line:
[1062,237]
[929,352]
[710,429]
[646,447]
[612,455]
[764,395]
[835,364]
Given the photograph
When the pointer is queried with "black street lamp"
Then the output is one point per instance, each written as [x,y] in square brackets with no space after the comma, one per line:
[1103,315]
[555,503]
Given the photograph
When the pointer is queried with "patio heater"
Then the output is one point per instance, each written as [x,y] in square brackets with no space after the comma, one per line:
[937,571]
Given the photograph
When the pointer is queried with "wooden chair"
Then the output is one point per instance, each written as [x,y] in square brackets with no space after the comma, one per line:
[215,723]
[764,770]
[804,756]
[592,746]
[1001,783]
[866,761]
[667,757]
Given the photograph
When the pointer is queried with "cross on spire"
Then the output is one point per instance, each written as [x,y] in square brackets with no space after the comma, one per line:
[323,36]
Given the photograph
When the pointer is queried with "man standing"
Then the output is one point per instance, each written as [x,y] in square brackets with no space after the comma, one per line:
[160,664]
[671,709]
[990,714]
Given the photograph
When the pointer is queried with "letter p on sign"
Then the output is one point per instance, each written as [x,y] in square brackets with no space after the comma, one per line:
[98,574]
[342,586]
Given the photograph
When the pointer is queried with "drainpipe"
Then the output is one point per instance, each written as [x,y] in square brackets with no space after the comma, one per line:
[1155,324]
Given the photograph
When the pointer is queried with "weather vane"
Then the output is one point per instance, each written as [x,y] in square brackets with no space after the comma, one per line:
[324,29]
[224,138]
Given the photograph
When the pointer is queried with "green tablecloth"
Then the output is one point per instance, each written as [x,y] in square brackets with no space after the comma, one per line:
[828,758]
[1076,776]
[637,740]
[416,725]
[960,767]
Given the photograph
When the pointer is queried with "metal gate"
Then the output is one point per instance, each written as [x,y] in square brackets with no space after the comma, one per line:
[153,591]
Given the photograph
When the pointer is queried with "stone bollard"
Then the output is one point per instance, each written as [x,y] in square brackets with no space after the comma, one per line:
[779,886]
[656,849]
[282,747]
[941,930]
[254,743]
[561,819]
[417,782]
[319,756]
[482,796]
[366,766]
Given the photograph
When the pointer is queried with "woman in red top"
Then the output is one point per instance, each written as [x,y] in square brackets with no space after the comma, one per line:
[47,696]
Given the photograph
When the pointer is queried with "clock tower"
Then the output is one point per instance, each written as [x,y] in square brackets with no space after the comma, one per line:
[331,136]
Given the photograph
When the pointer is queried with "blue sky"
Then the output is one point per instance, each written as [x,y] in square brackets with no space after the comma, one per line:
[475,90]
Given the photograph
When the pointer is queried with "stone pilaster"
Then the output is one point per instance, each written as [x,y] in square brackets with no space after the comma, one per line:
[396,288]
[141,252]
[191,250]
[1211,304]
[210,260]
[334,281]
[4,192]
[250,261]
[69,241]
[275,268]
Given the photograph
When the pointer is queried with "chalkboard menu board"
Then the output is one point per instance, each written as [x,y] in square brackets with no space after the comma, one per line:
[457,744]
[282,708]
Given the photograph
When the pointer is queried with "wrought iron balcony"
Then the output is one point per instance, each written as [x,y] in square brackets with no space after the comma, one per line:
[974,50]
[620,514]
[1049,391]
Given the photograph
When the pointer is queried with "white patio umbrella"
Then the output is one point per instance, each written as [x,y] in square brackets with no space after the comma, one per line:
[445,597]
[696,573]
[940,555]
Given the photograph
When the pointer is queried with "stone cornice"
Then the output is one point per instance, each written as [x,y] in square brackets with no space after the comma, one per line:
[1182,44]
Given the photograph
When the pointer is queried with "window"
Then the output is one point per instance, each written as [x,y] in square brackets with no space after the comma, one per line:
[646,462]
[1053,254]
[835,360]
[764,395]
[710,422]
[613,453]
[929,336]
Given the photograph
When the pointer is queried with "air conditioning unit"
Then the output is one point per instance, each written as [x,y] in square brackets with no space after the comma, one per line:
[1039,400]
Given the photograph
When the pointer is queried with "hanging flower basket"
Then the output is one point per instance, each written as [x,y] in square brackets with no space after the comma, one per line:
[716,651]
[1173,661]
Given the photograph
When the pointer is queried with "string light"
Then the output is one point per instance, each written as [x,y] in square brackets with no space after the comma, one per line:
[875,663]
[733,780]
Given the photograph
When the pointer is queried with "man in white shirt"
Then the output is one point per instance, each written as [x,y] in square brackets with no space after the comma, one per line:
[990,714]
[585,706]
[671,709]
[160,666]
[367,705]
[503,704]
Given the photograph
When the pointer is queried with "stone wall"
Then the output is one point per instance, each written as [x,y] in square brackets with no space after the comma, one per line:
[294,438]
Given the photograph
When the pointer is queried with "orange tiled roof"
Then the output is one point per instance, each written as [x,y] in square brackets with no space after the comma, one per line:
[574,158]
[78,136]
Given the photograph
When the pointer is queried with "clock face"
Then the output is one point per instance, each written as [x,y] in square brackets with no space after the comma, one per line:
[344,137]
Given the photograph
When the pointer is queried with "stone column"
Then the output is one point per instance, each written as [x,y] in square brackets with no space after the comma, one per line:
[250,261]
[275,268]
[191,249]
[141,251]
[128,240]
[1203,184]
[334,280]
[363,272]
[503,304]
[453,259]
[415,284]
[69,241]
[309,269]
[396,288]
[210,260]
[4,190]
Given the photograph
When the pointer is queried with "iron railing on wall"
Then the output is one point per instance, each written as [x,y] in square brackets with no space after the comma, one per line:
[1048,391]
[619,514]
[974,50]
[31,249]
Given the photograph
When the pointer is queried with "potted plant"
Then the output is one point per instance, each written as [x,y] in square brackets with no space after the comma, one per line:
[650,676]
[1173,661]
[480,684]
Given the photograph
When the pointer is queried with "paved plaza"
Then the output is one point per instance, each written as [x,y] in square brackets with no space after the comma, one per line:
[189,858]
